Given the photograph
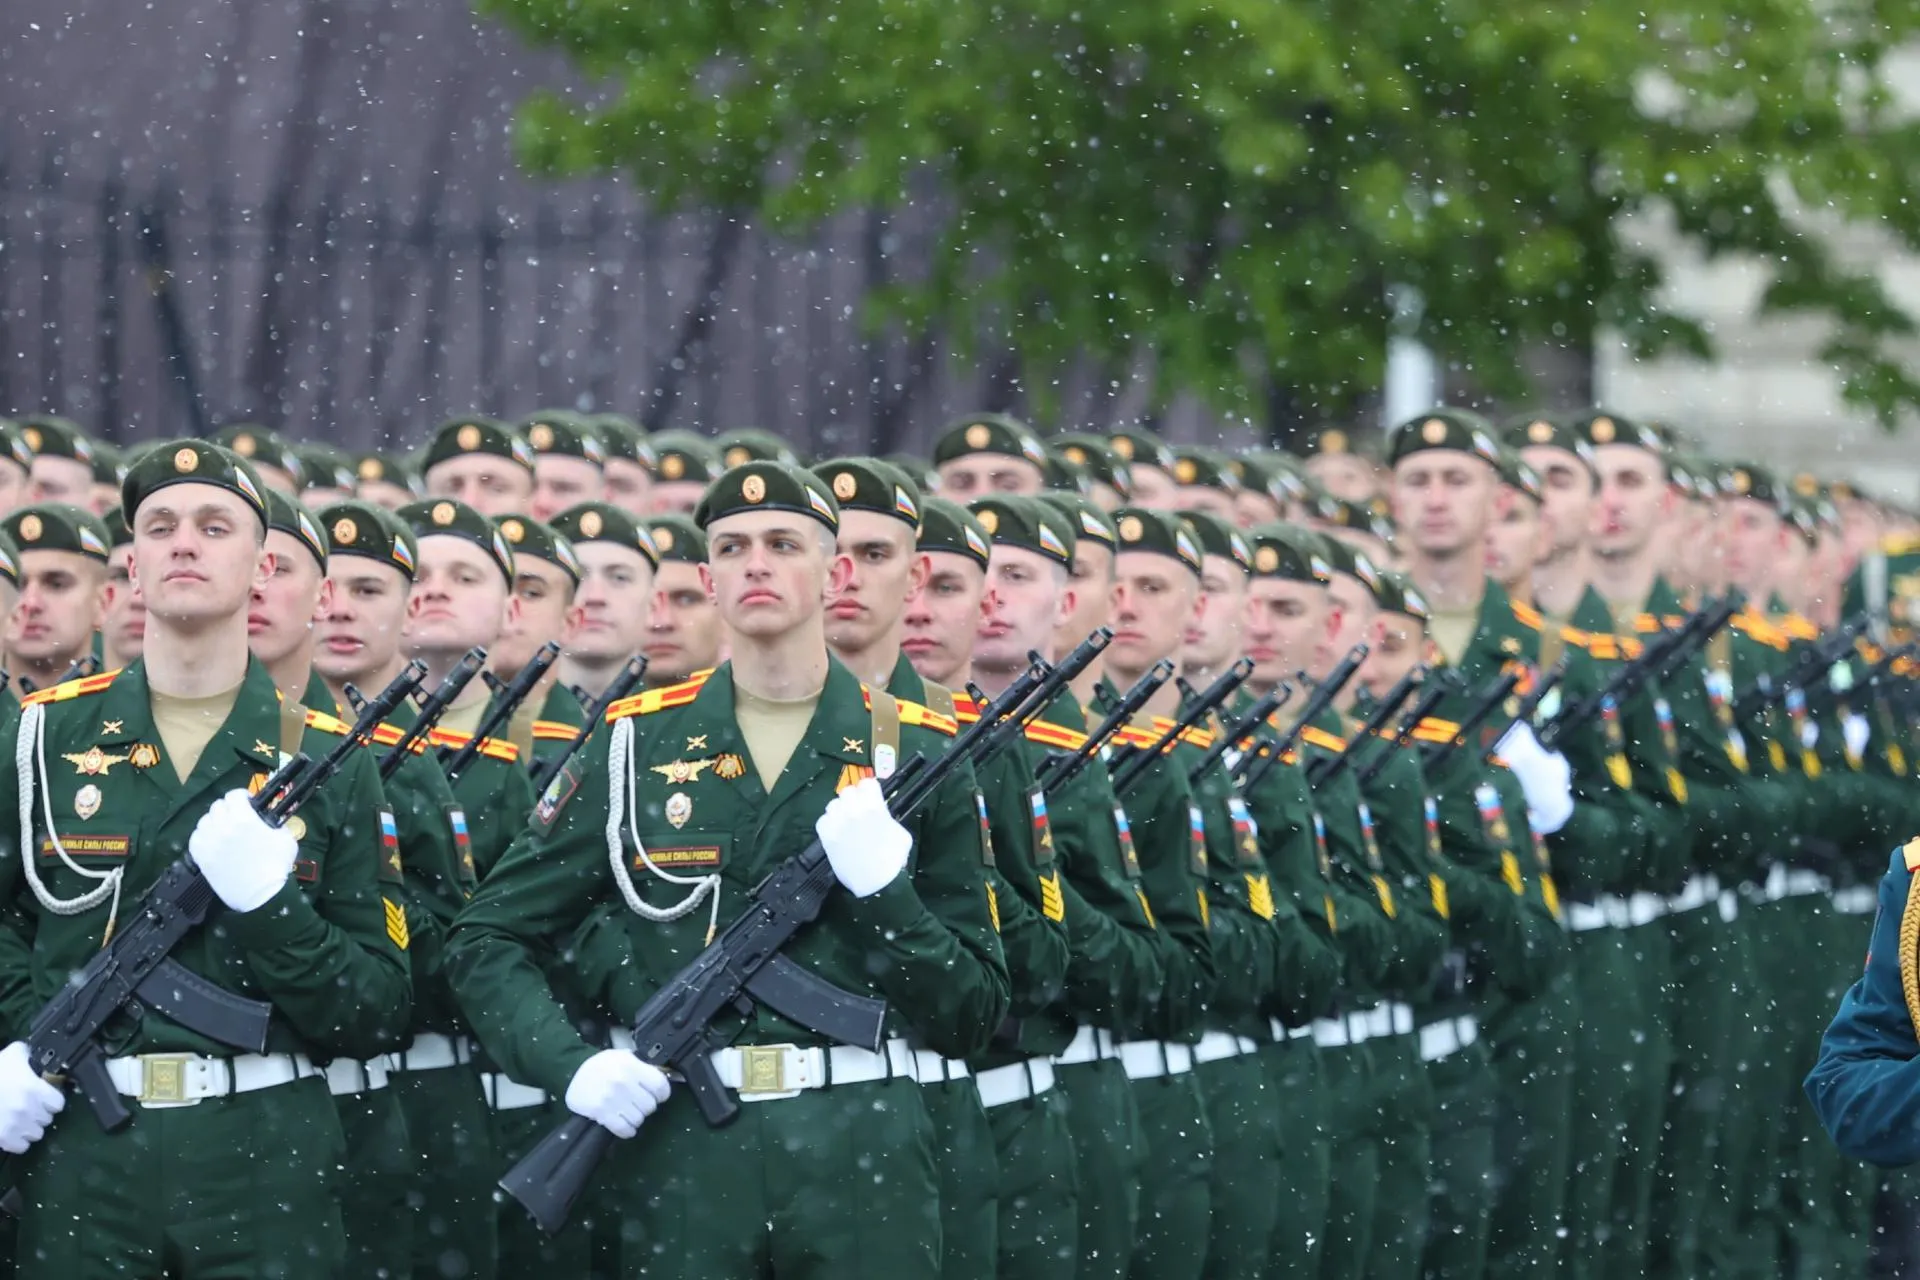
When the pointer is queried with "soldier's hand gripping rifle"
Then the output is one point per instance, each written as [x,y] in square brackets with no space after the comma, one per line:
[1129,770]
[434,707]
[133,971]
[507,699]
[1497,691]
[1436,689]
[1324,769]
[1059,769]
[744,965]
[596,710]
[1255,768]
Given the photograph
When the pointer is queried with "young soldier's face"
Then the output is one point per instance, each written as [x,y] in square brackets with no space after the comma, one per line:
[561,481]
[629,486]
[360,630]
[286,606]
[1635,499]
[975,475]
[615,597]
[384,494]
[1345,476]
[460,598]
[1154,487]
[13,485]
[492,485]
[887,569]
[1353,611]
[943,616]
[1751,536]
[123,623]
[1155,599]
[683,625]
[544,594]
[1215,502]
[1516,539]
[1399,645]
[1092,605]
[199,551]
[676,497]
[1214,636]
[57,479]
[1288,624]
[1442,499]
[1028,597]
[1252,507]
[769,571]
[59,606]
[1567,495]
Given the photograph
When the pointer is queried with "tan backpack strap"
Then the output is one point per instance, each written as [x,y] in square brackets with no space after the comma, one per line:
[885,709]
[940,698]
[293,726]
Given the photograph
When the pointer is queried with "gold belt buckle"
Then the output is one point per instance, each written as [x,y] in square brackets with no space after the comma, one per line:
[163,1080]
[763,1068]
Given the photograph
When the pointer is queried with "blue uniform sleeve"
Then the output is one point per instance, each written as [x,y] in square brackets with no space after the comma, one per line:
[1866,1085]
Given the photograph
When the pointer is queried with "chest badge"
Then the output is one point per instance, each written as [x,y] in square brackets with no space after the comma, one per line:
[86,801]
[679,772]
[93,761]
[144,756]
[679,809]
[112,728]
[727,766]
[698,742]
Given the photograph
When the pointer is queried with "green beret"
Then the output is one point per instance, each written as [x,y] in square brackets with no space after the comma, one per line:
[766,486]
[387,468]
[868,484]
[13,444]
[1289,551]
[1345,558]
[685,456]
[1032,524]
[56,526]
[462,436]
[356,528]
[1061,473]
[1160,532]
[291,518]
[259,446]
[752,444]
[1278,475]
[948,526]
[56,437]
[1095,453]
[1811,515]
[1459,430]
[118,535]
[1693,476]
[1362,441]
[1090,519]
[1539,429]
[1204,468]
[1750,480]
[109,465]
[190,462]
[1141,448]
[444,517]
[1394,592]
[9,560]
[988,433]
[532,540]
[917,470]
[677,538]
[1598,427]
[1516,473]
[563,434]
[621,437]
[1366,517]
[324,466]
[604,522]
[1220,538]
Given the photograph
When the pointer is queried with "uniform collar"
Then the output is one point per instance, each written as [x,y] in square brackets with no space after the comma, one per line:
[250,734]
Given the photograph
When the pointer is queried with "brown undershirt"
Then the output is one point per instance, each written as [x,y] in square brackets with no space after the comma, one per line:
[187,725]
[772,729]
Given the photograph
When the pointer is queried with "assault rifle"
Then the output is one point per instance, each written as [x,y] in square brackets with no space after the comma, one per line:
[1530,704]
[1255,768]
[1496,692]
[1811,663]
[432,708]
[1324,769]
[596,710]
[1660,659]
[1057,770]
[1247,726]
[674,1029]
[1438,687]
[507,697]
[1199,707]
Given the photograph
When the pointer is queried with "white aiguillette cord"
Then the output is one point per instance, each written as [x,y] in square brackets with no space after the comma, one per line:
[623,801]
[29,750]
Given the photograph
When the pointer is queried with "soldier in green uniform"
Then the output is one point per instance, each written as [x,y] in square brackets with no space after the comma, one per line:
[1109,479]
[546,578]
[569,463]
[16,466]
[988,454]
[63,575]
[123,613]
[1149,466]
[753,444]
[630,463]
[618,560]
[386,480]
[684,635]
[1117,965]
[109,469]
[326,475]
[480,462]
[302,921]
[686,464]
[62,460]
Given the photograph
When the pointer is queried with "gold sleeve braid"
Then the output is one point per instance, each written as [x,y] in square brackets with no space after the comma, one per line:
[1910,939]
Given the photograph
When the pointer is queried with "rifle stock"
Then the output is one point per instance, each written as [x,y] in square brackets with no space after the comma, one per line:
[1199,707]
[434,707]
[507,700]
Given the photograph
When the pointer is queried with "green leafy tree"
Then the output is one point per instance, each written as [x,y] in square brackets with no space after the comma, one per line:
[1233,186]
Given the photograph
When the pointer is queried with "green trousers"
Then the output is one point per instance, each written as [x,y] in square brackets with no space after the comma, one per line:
[1401,1104]
[454,1232]
[379,1177]
[1170,1242]
[1039,1212]
[230,1189]
[1765,944]
[1109,1154]
[1698,1014]
[1302,1181]
[1353,1162]
[969,1180]
[826,1185]
[1460,1179]
[1625,1247]
[1245,1117]
[523,1248]
[1612,1061]
[1532,1049]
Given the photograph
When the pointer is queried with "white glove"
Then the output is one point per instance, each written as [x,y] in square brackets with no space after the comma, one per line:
[865,845]
[243,856]
[617,1091]
[1857,732]
[1542,774]
[28,1104]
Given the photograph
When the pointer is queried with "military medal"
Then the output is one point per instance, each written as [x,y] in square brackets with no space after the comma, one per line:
[144,756]
[93,761]
[679,809]
[86,801]
[681,772]
[296,826]
[729,766]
